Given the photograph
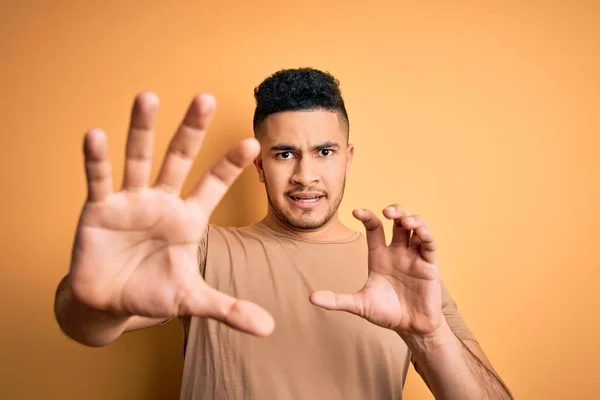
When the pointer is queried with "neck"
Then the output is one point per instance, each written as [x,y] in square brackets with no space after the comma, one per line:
[333,230]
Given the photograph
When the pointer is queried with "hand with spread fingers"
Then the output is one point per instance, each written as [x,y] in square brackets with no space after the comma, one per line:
[136,250]
[403,290]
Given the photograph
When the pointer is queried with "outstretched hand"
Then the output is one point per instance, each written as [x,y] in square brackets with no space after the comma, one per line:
[135,250]
[403,291]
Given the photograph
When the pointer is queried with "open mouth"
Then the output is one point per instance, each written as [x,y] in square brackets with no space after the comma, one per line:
[306,199]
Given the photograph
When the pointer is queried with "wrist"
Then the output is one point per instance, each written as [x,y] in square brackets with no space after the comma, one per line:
[432,342]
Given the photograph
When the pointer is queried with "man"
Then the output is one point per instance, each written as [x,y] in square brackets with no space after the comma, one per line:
[144,255]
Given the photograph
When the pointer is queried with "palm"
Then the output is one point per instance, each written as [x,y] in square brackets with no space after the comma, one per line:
[135,251]
[152,237]
[399,293]
[402,291]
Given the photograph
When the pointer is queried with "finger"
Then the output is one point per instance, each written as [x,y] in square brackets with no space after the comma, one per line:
[401,235]
[140,142]
[415,243]
[412,223]
[328,300]
[97,168]
[373,227]
[427,243]
[239,314]
[186,143]
[216,181]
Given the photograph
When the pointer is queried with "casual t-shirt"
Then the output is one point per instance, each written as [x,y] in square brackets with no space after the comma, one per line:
[312,353]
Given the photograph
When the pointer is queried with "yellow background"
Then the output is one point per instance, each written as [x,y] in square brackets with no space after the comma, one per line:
[481,117]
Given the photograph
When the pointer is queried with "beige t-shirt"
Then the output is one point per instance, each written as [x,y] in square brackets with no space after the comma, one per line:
[313,353]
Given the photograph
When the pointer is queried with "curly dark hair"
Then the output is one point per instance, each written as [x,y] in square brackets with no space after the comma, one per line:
[300,89]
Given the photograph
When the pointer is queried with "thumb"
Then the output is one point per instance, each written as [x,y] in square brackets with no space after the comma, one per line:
[239,314]
[352,303]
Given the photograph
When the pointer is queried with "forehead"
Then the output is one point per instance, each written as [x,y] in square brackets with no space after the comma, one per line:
[303,127]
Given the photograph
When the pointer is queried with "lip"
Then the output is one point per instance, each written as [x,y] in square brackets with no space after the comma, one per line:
[306,204]
[306,194]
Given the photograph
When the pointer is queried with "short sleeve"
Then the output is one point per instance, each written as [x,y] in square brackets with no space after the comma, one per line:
[453,317]
[203,250]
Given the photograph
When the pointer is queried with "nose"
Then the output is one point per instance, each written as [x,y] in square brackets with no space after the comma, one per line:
[305,173]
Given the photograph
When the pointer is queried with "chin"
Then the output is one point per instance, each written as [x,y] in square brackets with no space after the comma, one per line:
[307,225]
[307,222]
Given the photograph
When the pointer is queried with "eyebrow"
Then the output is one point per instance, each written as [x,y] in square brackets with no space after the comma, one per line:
[291,147]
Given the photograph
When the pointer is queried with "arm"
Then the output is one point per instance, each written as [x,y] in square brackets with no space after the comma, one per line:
[455,369]
[467,351]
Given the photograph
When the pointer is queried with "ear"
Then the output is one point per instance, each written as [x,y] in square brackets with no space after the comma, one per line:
[259,167]
[349,157]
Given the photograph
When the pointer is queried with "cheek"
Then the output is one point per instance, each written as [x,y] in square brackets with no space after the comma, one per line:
[276,178]
[333,178]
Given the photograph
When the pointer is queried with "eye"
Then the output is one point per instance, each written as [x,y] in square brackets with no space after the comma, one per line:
[285,155]
[325,152]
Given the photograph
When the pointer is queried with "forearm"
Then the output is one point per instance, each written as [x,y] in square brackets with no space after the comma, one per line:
[83,324]
[451,370]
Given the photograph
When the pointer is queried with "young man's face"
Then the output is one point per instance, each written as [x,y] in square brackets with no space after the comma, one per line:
[303,163]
